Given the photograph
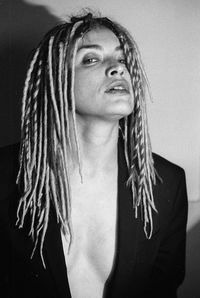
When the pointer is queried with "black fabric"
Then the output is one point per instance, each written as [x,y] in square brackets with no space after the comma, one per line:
[142,269]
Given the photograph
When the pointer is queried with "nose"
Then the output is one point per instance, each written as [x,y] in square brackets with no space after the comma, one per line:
[115,69]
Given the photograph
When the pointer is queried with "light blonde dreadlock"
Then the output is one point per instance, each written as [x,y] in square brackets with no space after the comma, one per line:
[48,97]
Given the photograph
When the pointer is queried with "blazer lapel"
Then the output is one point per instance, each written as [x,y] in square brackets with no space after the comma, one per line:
[55,257]
[127,235]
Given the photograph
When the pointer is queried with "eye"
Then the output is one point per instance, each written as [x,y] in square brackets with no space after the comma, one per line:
[122,60]
[90,60]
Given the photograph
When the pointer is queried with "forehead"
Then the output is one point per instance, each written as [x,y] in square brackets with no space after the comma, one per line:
[100,36]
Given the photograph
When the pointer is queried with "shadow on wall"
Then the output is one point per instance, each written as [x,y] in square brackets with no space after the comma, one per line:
[22,26]
[191,285]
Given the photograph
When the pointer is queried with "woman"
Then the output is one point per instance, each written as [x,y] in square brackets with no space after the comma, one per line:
[100,216]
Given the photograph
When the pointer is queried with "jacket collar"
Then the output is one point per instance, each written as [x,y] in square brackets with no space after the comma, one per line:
[55,257]
[127,233]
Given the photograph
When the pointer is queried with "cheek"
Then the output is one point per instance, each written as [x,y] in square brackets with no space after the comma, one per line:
[85,86]
[79,86]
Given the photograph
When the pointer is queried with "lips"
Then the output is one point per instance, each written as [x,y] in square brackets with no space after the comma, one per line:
[118,86]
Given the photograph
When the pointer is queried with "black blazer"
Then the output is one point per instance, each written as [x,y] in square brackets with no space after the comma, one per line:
[142,269]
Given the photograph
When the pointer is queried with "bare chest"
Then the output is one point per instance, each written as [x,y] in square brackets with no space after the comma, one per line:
[91,257]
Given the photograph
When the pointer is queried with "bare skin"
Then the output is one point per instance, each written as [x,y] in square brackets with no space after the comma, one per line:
[94,206]
[94,202]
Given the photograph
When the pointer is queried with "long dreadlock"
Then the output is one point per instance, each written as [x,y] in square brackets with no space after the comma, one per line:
[47,99]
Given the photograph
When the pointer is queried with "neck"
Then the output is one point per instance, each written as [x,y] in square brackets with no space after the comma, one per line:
[98,144]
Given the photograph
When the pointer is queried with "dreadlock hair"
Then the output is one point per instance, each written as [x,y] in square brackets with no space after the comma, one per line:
[48,96]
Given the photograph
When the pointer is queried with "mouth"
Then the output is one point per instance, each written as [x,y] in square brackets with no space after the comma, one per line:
[118,87]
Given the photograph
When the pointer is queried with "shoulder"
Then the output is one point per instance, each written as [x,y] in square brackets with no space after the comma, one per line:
[10,150]
[8,168]
[170,190]
[167,170]
[9,159]
[9,155]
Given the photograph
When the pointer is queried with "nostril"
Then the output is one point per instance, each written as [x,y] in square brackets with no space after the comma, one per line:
[116,70]
[113,72]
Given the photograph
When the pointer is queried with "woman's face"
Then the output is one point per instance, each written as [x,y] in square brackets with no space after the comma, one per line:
[102,85]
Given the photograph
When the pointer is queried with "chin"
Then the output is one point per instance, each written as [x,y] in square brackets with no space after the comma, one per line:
[117,115]
[122,110]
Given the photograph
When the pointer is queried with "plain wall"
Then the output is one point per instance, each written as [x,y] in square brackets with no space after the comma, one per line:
[167,33]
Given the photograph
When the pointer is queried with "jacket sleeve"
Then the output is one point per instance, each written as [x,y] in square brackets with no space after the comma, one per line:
[169,267]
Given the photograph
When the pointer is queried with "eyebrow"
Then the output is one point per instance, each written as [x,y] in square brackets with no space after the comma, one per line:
[96,47]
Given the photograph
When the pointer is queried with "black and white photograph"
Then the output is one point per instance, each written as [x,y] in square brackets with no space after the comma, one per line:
[99,149]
